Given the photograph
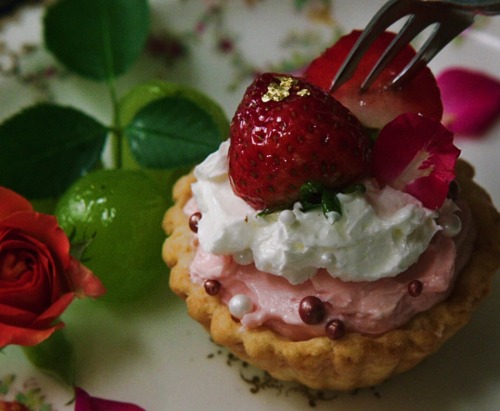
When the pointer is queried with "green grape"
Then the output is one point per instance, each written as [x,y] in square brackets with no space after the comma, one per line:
[121,212]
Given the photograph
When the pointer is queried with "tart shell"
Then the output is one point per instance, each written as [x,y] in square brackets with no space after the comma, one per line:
[355,360]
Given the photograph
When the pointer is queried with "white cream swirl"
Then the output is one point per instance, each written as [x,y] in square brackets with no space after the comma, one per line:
[380,233]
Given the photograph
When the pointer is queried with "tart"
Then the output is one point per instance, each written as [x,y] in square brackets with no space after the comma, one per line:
[355,360]
[320,256]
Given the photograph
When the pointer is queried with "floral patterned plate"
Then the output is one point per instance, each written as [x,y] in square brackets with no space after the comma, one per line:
[150,353]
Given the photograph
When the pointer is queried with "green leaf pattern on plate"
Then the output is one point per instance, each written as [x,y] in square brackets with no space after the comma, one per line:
[27,393]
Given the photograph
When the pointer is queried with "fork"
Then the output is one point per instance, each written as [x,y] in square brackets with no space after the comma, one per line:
[449,17]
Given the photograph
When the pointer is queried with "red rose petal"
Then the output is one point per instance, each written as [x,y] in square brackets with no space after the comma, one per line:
[22,317]
[85,402]
[24,328]
[83,281]
[416,154]
[471,100]
[45,229]
[13,335]
[37,277]
[11,202]
[55,310]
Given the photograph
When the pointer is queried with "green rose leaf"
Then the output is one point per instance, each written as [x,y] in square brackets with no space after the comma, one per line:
[44,148]
[54,356]
[145,93]
[172,131]
[98,39]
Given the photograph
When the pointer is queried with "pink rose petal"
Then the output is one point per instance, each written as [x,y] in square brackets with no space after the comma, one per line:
[85,402]
[471,100]
[415,154]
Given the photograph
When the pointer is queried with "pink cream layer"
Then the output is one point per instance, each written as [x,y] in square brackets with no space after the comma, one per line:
[369,307]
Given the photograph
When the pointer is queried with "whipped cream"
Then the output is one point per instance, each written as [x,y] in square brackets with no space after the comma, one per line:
[379,234]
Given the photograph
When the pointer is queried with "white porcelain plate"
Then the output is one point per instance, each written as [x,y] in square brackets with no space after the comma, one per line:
[151,353]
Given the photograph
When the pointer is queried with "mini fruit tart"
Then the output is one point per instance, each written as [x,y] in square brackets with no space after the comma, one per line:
[332,246]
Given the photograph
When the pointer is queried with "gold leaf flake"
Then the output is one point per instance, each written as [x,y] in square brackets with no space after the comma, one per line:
[303,92]
[278,92]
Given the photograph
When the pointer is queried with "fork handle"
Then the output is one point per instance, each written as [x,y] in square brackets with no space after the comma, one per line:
[488,7]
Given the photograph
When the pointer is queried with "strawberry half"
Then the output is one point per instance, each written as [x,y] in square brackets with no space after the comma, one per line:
[379,104]
[287,132]
[422,158]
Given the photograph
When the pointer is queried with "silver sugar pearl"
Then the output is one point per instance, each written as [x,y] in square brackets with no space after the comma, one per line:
[451,224]
[239,305]
[287,217]
[327,259]
[243,257]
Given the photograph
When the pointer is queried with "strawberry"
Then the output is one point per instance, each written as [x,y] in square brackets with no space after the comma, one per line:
[379,104]
[287,132]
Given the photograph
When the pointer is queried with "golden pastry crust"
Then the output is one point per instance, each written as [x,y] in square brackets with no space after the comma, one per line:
[354,360]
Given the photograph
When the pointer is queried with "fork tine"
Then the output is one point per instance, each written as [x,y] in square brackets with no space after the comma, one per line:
[449,22]
[413,26]
[444,32]
[391,12]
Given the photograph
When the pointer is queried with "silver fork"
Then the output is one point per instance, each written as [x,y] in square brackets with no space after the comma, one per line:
[450,18]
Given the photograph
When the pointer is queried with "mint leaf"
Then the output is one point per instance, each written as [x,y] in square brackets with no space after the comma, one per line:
[330,203]
[98,39]
[171,132]
[314,195]
[310,195]
[44,148]
[53,356]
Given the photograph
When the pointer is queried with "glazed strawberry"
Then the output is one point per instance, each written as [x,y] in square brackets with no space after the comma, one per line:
[287,132]
[379,104]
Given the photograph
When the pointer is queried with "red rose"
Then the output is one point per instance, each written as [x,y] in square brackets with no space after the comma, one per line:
[38,277]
